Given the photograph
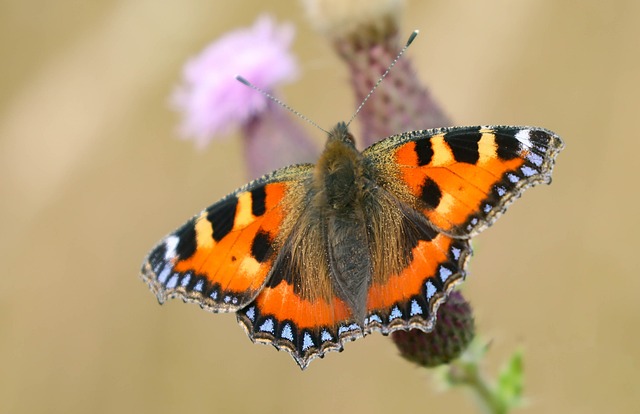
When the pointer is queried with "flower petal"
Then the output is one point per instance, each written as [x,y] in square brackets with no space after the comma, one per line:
[211,100]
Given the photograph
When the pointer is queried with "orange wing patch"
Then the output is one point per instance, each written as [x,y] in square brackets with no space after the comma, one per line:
[463,178]
[222,257]
[284,304]
[411,299]
[234,250]
[305,328]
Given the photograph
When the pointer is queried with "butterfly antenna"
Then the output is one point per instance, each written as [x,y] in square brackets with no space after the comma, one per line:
[279,102]
[386,72]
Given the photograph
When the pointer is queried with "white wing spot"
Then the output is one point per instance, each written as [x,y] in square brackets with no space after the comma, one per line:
[214,295]
[171,243]
[416,309]
[487,208]
[287,333]
[431,290]
[162,277]
[307,342]
[346,328]
[267,326]
[395,313]
[501,190]
[375,318]
[444,273]
[185,280]
[198,287]
[173,282]
[455,252]
[513,178]
[325,336]
[528,171]
[535,159]
[251,313]
[524,136]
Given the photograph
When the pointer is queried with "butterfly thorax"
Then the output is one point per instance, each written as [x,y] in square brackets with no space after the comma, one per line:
[338,173]
[340,185]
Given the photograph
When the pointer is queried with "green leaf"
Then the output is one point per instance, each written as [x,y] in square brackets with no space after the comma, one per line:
[511,381]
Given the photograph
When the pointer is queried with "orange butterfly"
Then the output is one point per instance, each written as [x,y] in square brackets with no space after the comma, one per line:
[311,256]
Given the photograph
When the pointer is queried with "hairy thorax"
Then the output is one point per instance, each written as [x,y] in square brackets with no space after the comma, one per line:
[338,177]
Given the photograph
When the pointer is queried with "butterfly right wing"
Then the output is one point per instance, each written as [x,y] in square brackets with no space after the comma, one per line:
[463,178]
[450,184]
[222,257]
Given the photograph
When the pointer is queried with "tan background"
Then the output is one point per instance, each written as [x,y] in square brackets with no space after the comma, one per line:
[92,176]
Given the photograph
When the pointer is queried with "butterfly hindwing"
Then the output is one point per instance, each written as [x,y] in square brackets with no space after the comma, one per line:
[463,178]
[298,310]
[305,328]
[409,299]
[222,257]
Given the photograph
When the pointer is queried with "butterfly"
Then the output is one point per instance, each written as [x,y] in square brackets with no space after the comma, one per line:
[312,256]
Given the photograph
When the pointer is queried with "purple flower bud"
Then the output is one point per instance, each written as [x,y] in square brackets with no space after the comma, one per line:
[452,334]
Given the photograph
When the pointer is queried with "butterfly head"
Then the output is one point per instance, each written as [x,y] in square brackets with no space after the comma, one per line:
[341,133]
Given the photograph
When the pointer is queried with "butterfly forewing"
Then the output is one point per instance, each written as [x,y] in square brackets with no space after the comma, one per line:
[221,258]
[463,178]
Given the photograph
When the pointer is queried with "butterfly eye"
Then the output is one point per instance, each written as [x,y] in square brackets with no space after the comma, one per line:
[341,133]
[349,138]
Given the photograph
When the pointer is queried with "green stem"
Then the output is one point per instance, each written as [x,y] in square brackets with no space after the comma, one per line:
[468,374]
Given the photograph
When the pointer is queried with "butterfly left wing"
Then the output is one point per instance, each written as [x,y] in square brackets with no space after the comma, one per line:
[459,180]
[222,257]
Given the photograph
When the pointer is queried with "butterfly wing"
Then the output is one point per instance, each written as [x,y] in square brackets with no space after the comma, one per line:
[460,180]
[260,252]
[306,328]
[409,295]
[299,310]
[222,257]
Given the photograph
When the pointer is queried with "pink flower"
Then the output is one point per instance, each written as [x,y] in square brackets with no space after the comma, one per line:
[212,101]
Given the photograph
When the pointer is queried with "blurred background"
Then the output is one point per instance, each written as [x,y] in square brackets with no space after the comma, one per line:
[92,176]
